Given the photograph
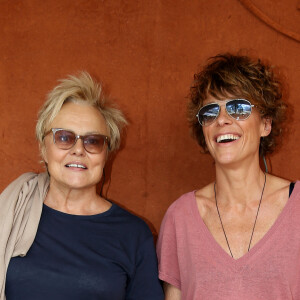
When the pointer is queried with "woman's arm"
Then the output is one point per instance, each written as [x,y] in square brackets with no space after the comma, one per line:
[171,292]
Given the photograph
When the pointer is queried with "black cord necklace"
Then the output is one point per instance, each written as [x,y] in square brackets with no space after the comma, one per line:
[262,192]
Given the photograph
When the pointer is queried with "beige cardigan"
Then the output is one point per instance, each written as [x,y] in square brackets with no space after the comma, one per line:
[20,211]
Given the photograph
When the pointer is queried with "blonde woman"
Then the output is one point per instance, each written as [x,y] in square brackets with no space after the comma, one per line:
[63,240]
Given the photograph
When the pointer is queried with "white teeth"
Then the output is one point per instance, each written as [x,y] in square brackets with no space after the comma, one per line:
[227,137]
[76,166]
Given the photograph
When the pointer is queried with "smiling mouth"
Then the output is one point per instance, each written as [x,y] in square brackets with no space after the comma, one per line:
[227,138]
[76,166]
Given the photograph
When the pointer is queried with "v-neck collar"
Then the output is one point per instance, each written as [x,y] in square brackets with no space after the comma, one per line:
[225,259]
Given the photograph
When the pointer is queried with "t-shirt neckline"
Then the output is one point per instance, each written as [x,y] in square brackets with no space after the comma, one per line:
[72,216]
[225,258]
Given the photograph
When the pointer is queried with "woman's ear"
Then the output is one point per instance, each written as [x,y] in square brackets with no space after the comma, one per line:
[267,126]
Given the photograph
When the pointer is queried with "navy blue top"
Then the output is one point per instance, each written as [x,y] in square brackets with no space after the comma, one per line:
[109,256]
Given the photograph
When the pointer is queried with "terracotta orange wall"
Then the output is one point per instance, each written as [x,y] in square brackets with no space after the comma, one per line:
[145,53]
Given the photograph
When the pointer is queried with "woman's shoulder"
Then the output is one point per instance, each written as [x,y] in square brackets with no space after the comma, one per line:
[129,220]
[182,202]
[19,181]
[277,185]
[205,192]
[188,200]
[24,183]
[278,191]
[278,181]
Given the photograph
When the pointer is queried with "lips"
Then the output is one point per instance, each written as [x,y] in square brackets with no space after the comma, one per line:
[227,138]
[76,165]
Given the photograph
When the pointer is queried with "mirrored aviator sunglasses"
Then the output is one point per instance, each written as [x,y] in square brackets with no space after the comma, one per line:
[66,139]
[238,109]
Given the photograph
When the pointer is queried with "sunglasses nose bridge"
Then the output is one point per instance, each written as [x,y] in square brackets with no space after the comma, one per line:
[79,137]
[223,115]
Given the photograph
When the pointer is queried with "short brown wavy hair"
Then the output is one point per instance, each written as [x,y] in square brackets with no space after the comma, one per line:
[244,77]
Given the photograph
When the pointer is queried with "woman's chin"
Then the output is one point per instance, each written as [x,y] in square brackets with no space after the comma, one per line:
[228,161]
[226,158]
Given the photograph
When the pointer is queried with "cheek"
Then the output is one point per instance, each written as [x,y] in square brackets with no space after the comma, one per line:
[51,154]
[206,136]
[100,161]
[255,131]
[45,148]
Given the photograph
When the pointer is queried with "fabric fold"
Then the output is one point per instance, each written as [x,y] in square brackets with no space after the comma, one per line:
[21,207]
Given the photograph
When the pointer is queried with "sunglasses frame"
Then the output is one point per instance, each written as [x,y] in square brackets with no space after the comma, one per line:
[226,101]
[77,136]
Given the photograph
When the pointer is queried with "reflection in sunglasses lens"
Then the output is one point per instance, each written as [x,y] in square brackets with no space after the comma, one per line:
[239,109]
[208,114]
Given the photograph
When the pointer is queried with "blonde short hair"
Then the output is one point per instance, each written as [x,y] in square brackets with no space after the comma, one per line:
[81,88]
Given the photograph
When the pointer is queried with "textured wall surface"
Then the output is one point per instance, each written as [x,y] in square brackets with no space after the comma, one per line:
[145,53]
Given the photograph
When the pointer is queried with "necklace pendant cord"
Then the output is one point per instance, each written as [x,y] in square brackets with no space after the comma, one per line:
[262,192]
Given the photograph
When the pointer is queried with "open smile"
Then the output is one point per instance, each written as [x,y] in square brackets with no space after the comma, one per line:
[227,138]
[80,166]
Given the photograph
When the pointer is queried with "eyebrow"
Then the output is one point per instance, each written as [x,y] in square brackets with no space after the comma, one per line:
[224,100]
[87,133]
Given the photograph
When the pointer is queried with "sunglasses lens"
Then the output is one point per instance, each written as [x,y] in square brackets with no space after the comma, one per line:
[208,113]
[239,109]
[64,139]
[94,143]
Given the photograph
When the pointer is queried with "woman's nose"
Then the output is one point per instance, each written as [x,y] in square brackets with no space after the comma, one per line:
[223,117]
[78,148]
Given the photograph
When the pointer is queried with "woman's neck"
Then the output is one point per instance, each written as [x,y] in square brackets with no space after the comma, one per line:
[239,185]
[76,201]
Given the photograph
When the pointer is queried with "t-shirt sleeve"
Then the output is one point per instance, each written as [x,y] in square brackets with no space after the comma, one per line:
[167,254]
[145,283]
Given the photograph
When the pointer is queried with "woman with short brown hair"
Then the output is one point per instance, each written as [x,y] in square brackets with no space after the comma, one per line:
[239,236]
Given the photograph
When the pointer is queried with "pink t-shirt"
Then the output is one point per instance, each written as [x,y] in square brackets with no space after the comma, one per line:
[190,258]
